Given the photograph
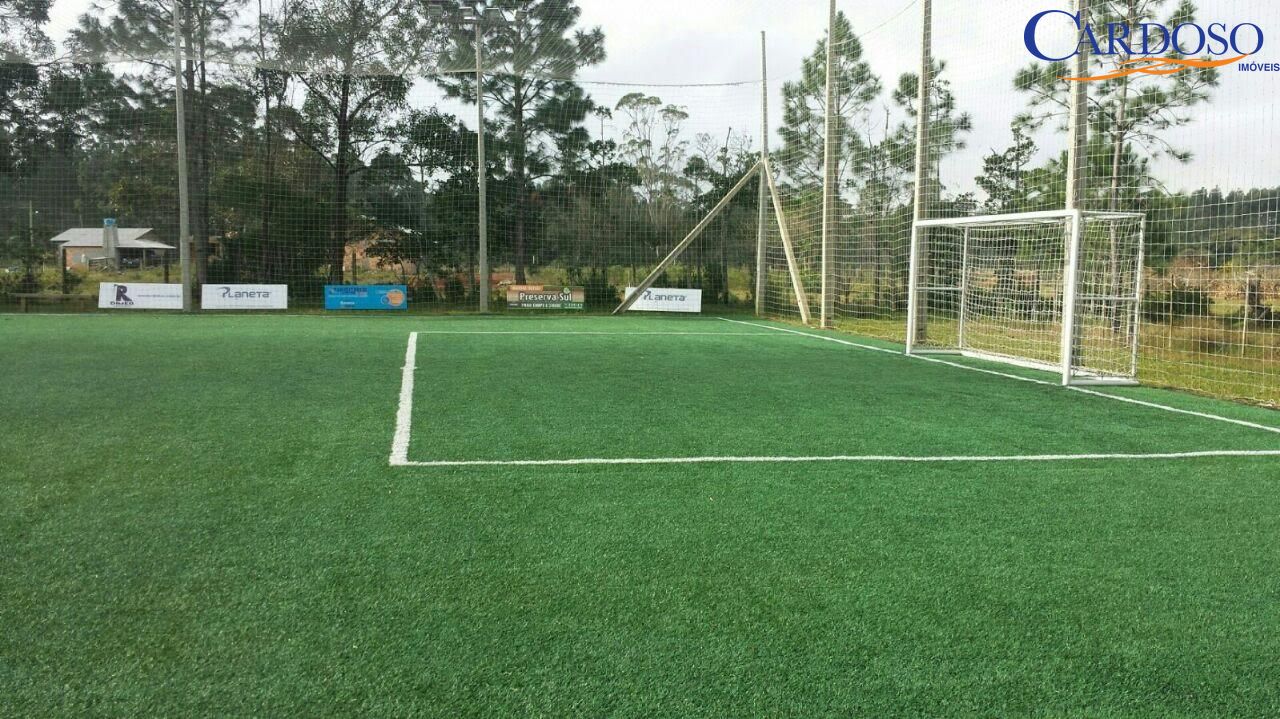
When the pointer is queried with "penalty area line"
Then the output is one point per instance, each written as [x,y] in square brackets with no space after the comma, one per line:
[867,459]
[597,334]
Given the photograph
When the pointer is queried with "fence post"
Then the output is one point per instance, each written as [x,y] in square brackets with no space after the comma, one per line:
[763,230]
[830,160]
[1077,161]
[184,198]
[482,173]
[918,312]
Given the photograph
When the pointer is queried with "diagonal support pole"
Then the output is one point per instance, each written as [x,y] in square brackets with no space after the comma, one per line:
[802,300]
[684,244]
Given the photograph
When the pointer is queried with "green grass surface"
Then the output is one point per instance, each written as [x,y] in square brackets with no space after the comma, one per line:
[199,519]
[1198,355]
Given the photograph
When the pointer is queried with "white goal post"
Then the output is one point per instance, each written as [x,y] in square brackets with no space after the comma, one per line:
[1059,291]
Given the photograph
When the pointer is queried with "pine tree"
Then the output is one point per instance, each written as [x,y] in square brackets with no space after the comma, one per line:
[1004,174]
[804,108]
[143,29]
[353,54]
[1135,112]
[530,65]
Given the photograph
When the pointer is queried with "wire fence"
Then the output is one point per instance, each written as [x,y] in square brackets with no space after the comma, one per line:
[332,144]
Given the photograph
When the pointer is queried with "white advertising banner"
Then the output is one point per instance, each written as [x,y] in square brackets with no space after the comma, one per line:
[666,300]
[244,297]
[139,296]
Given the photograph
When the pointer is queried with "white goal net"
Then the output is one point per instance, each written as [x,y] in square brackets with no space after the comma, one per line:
[1058,291]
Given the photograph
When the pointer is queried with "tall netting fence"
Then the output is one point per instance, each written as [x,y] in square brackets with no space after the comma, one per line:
[337,143]
[871,109]
[333,143]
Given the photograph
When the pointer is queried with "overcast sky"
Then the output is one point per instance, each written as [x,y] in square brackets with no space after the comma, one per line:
[694,42]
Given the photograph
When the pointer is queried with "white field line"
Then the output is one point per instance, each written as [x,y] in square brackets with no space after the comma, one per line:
[1203,415]
[602,334]
[867,459]
[1081,390]
[895,353]
[404,413]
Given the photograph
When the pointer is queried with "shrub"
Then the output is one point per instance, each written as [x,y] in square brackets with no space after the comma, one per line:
[1169,306]
[27,283]
[453,290]
[600,294]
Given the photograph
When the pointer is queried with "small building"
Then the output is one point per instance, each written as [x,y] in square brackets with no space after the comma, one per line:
[138,247]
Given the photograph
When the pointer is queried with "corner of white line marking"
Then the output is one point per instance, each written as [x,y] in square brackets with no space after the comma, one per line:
[1043,458]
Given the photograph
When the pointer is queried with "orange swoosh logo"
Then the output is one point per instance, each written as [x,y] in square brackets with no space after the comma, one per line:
[1157,66]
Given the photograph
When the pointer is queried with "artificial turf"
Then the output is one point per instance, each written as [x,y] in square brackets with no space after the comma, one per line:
[198,517]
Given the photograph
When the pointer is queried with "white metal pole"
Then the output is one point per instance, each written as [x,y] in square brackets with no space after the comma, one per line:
[964,287]
[482,253]
[1139,289]
[830,176]
[763,230]
[913,289]
[917,320]
[1069,293]
[184,197]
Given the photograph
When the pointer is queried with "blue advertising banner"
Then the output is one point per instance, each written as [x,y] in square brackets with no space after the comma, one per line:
[366,297]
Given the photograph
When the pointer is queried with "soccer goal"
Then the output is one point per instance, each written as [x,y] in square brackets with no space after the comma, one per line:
[1058,291]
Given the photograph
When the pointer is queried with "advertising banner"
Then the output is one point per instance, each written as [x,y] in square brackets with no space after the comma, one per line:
[139,296]
[667,300]
[366,297]
[543,297]
[244,297]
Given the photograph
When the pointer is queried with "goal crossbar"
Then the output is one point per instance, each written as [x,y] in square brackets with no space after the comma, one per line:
[1046,216]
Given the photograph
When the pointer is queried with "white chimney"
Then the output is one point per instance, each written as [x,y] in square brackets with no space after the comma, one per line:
[111,241]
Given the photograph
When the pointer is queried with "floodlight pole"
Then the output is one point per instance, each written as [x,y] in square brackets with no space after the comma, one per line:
[830,176]
[476,16]
[1078,132]
[763,230]
[917,296]
[184,198]
[482,172]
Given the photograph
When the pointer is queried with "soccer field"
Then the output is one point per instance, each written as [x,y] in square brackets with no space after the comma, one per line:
[298,516]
